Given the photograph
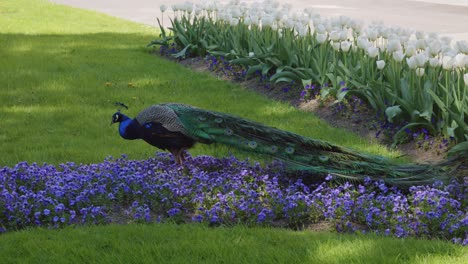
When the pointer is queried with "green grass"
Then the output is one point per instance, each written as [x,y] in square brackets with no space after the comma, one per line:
[63,68]
[55,107]
[190,243]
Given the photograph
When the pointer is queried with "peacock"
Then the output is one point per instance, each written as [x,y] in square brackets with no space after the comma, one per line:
[177,127]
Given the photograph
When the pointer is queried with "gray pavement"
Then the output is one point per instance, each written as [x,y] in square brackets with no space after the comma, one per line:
[449,18]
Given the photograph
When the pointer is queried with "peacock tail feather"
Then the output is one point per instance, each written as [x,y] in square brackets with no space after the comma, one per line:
[301,153]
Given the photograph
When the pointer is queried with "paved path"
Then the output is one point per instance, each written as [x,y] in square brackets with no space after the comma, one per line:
[449,18]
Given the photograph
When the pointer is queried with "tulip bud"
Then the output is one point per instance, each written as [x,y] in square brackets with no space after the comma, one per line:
[163,8]
[251,54]
[465,79]
[420,72]
[380,64]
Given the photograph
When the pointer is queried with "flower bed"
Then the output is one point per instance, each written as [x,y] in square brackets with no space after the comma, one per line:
[221,191]
[414,78]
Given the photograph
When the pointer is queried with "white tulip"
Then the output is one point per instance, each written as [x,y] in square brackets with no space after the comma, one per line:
[363,42]
[289,23]
[393,45]
[301,30]
[398,55]
[420,72]
[336,46]
[421,59]
[189,7]
[251,54]
[320,28]
[335,35]
[234,21]
[278,16]
[372,51]
[344,34]
[267,21]
[410,50]
[248,21]
[321,38]
[163,8]
[420,34]
[420,44]
[372,34]
[447,63]
[434,47]
[345,46]
[380,64]
[412,63]
[344,20]
[460,60]
[434,62]
[462,46]
[465,79]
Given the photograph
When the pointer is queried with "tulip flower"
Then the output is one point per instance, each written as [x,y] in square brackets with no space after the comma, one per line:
[412,63]
[447,63]
[398,56]
[372,51]
[410,50]
[335,35]
[380,64]
[345,46]
[421,59]
[321,38]
[465,79]
[434,62]
[163,8]
[420,72]
[393,45]
[336,46]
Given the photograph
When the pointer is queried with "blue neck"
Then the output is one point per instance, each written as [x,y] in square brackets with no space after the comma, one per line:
[130,128]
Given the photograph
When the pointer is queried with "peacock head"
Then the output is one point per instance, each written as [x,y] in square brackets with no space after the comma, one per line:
[118,116]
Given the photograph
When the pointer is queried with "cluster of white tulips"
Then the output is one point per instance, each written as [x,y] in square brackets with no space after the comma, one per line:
[418,48]
[404,58]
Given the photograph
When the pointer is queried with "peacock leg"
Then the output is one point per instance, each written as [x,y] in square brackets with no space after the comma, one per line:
[178,155]
[182,156]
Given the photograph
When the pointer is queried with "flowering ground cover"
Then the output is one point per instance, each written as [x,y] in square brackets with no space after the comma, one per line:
[223,191]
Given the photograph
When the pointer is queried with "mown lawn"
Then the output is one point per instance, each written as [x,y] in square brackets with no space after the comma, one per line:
[61,70]
[193,243]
